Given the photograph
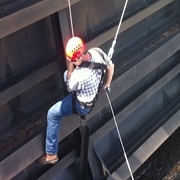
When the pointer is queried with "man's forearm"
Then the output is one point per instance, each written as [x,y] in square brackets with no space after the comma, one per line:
[110,73]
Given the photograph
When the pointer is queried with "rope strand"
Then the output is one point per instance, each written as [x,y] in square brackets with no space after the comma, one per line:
[111,50]
[120,137]
[110,54]
[70,15]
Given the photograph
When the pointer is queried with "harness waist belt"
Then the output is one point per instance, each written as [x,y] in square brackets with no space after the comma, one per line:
[87,104]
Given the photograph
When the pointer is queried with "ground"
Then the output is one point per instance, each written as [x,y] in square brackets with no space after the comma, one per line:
[164,164]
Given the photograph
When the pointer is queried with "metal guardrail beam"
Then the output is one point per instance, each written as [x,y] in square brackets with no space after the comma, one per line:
[151,145]
[28,82]
[31,80]
[29,15]
[60,166]
[151,62]
[137,72]
[105,37]
[136,104]
[35,149]
[165,51]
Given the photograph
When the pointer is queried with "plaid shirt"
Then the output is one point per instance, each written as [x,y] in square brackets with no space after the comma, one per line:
[86,81]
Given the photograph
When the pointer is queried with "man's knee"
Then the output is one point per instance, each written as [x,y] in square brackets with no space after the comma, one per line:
[53,114]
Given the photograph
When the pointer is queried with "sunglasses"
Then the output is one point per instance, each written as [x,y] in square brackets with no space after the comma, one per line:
[75,60]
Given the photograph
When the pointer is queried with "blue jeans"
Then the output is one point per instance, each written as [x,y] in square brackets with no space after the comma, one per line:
[59,110]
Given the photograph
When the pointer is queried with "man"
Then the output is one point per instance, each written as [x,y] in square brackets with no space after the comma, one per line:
[83,85]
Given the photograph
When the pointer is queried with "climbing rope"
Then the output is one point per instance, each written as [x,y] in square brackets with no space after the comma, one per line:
[115,121]
[70,16]
[110,54]
[111,50]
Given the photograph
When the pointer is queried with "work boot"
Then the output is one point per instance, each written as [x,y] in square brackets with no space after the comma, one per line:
[48,159]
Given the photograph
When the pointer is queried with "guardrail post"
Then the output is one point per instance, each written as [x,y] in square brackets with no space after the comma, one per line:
[84,150]
[177,9]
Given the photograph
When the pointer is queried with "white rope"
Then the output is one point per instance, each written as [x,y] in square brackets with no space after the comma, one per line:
[111,50]
[110,54]
[120,137]
[70,15]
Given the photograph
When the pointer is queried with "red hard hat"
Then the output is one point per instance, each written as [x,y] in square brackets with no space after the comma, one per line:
[73,48]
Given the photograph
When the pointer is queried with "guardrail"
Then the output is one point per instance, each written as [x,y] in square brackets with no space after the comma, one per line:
[132,77]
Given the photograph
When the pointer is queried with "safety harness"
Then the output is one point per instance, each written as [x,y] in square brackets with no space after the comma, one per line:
[96,66]
[93,65]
